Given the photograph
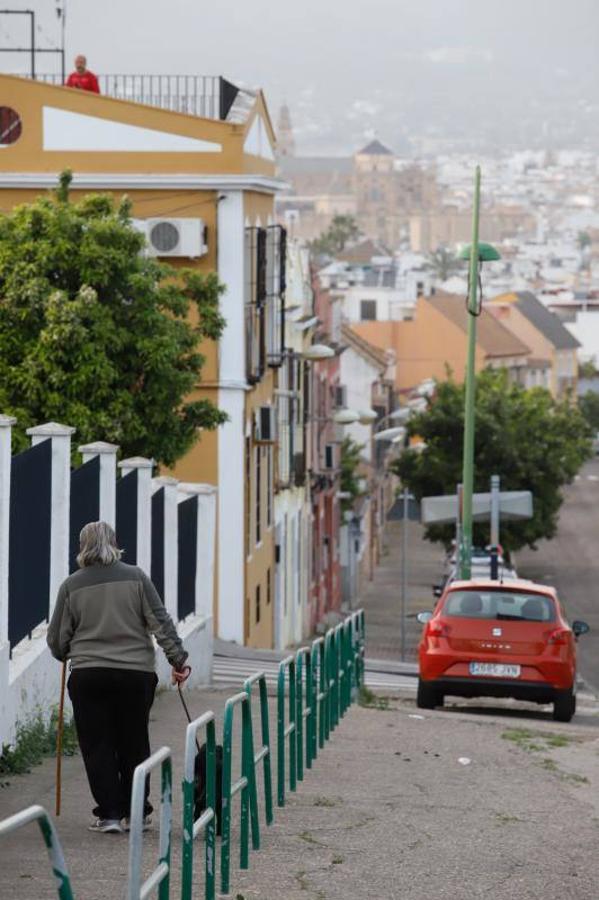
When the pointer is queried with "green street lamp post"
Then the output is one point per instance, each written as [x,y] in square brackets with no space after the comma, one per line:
[476,253]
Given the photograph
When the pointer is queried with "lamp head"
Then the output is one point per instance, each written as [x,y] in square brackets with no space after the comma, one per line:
[486,252]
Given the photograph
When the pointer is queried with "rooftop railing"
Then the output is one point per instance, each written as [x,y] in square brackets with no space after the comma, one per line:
[207,96]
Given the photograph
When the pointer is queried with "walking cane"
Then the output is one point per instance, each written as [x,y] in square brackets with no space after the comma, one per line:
[59,731]
[186,708]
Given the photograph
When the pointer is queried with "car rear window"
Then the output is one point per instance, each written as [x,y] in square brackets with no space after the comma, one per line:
[513,605]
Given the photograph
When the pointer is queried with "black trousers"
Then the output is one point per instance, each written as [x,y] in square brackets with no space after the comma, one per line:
[111,709]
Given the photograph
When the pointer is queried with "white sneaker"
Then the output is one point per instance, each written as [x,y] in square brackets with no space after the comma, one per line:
[106,826]
[147,824]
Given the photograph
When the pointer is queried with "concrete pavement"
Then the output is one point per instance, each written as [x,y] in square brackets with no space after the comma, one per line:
[381,596]
[474,800]
[458,803]
[571,562]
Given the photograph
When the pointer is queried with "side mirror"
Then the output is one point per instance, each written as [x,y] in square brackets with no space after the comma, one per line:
[579,627]
[424,617]
[437,590]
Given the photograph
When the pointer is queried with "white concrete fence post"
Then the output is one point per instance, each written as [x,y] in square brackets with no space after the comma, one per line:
[60,435]
[206,544]
[171,543]
[144,507]
[6,423]
[107,453]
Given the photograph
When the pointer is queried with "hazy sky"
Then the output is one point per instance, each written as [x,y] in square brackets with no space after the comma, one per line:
[397,68]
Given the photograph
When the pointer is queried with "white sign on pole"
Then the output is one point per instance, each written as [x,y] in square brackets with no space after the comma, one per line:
[444,510]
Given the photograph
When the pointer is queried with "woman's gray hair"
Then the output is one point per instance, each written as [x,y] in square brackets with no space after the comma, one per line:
[97,543]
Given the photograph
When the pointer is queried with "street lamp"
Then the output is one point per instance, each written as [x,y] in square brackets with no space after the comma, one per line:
[346,416]
[477,253]
[390,434]
[367,416]
[317,351]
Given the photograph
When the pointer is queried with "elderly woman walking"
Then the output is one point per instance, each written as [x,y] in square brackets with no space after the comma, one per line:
[104,617]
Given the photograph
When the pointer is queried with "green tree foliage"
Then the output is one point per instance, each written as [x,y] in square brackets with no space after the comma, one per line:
[96,335]
[350,463]
[533,442]
[341,231]
[587,369]
[443,263]
[588,404]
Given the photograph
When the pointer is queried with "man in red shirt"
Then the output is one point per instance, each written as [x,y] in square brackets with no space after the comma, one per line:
[82,78]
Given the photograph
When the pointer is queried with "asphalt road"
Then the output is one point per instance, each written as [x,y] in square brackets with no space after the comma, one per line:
[571,562]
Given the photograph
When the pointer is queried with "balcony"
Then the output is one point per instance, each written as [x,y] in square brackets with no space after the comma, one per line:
[206,96]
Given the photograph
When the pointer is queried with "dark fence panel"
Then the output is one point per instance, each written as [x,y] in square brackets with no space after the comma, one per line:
[126,516]
[188,538]
[158,541]
[29,542]
[85,504]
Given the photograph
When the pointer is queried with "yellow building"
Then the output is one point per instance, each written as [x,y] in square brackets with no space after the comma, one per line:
[202,189]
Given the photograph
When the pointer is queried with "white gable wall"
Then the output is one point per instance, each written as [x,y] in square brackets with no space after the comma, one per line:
[67,130]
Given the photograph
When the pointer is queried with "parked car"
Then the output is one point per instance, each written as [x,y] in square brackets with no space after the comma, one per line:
[488,639]
[477,571]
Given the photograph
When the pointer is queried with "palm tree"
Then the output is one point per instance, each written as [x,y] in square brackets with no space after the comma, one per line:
[443,263]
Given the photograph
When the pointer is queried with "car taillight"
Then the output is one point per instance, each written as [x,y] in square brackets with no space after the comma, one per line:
[438,629]
[559,636]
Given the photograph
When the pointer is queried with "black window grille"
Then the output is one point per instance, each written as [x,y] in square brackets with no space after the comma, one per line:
[126,516]
[248,497]
[368,310]
[258,495]
[157,566]
[187,512]
[276,261]
[85,504]
[257,604]
[29,541]
[255,303]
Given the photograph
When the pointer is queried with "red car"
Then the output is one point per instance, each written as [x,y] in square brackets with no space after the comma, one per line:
[488,639]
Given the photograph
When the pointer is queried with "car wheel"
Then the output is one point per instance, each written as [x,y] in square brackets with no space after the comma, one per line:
[428,696]
[564,705]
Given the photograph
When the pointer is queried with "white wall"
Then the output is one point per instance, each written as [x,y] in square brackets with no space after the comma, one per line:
[358,376]
[586,330]
[392,305]
[30,681]
[232,387]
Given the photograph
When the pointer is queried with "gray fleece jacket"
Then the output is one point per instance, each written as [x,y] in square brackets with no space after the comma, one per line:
[104,616]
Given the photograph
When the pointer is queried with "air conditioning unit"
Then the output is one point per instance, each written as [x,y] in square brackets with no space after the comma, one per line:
[265,425]
[173,237]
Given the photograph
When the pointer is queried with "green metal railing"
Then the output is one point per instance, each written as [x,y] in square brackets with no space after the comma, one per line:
[332,670]
[59,867]
[304,690]
[264,754]
[286,731]
[319,695]
[160,877]
[206,823]
[315,688]
[246,784]
[360,645]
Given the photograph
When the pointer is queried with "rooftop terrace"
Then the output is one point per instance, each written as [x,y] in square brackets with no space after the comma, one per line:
[206,96]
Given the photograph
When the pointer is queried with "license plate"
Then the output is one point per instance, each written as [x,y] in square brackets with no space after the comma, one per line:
[494,670]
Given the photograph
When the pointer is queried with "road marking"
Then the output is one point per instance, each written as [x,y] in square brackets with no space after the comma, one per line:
[592,477]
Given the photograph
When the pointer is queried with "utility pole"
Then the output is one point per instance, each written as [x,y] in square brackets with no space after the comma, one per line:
[476,253]
[495,501]
[468,457]
[406,497]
